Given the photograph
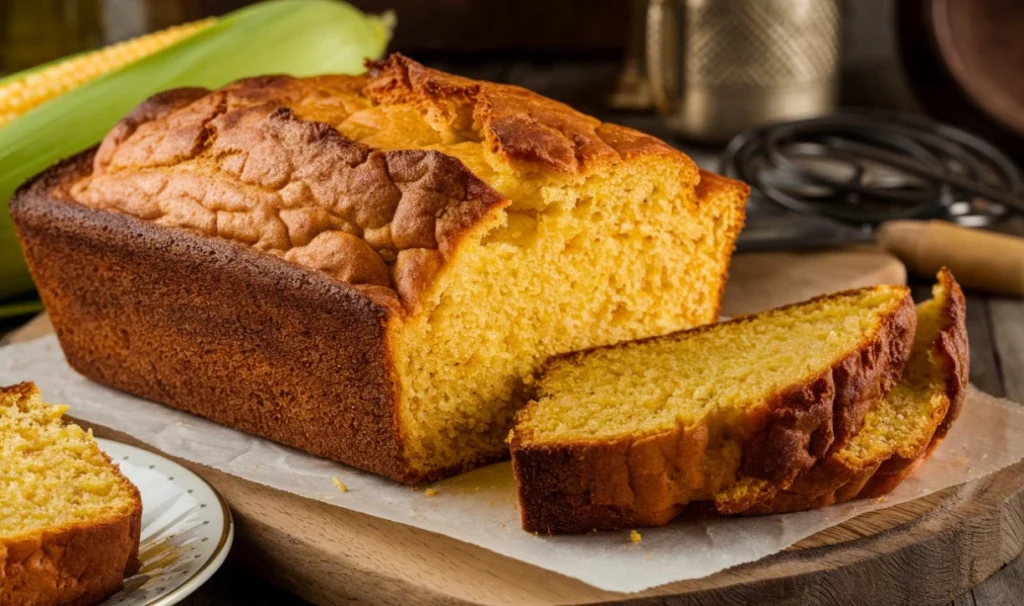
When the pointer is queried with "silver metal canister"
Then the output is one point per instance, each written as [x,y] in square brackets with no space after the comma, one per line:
[719,67]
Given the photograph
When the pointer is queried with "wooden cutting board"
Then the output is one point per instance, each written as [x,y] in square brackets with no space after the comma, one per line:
[762,281]
[923,552]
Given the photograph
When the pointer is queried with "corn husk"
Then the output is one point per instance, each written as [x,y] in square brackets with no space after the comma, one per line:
[298,37]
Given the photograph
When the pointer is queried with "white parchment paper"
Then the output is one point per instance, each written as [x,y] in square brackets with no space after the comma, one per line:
[480,507]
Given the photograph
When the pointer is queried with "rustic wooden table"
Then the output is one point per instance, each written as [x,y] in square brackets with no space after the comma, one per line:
[996,325]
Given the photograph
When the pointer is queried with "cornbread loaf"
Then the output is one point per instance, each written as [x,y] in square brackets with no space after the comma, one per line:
[367,268]
[69,521]
[627,435]
[903,428]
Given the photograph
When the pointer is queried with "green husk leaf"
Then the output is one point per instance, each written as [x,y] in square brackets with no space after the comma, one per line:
[16,308]
[298,37]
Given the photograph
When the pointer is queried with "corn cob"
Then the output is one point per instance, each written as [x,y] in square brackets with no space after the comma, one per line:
[21,95]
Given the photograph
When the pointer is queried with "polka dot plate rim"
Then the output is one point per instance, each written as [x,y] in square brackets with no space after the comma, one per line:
[187,530]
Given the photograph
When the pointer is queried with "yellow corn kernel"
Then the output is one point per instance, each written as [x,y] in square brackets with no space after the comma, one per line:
[21,96]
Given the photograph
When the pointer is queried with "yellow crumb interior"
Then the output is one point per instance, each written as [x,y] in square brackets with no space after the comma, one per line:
[904,420]
[52,474]
[573,262]
[708,375]
[616,259]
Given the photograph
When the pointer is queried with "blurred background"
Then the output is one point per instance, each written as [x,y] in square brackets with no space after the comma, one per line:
[954,59]
[905,109]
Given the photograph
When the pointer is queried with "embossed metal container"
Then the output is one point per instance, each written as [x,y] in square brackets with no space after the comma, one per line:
[719,67]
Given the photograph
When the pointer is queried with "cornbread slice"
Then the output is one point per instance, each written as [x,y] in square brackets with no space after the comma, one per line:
[69,521]
[627,435]
[367,268]
[904,428]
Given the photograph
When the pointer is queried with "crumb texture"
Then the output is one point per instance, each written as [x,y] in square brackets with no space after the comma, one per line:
[615,259]
[69,521]
[651,386]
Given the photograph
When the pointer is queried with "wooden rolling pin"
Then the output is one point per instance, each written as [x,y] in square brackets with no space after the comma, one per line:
[979,259]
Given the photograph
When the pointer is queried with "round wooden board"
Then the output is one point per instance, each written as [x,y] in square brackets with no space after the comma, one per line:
[759,281]
[924,552]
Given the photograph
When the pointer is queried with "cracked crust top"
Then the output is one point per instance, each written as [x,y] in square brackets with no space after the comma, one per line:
[349,175]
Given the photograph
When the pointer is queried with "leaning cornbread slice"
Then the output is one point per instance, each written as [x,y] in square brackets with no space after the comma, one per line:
[627,435]
[904,428]
[69,521]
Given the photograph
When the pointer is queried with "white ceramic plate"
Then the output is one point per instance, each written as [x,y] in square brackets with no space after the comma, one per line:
[186,528]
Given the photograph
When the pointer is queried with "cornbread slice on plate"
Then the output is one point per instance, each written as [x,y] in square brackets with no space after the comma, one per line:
[903,428]
[627,435]
[69,521]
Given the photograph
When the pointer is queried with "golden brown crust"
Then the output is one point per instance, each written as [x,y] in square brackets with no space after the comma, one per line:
[262,162]
[857,381]
[832,481]
[79,565]
[247,340]
[239,164]
[515,123]
[644,481]
[784,501]
[953,350]
[75,565]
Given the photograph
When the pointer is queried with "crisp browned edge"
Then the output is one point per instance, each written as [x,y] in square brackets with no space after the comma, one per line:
[98,554]
[556,138]
[953,351]
[838,483]
[555,480]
